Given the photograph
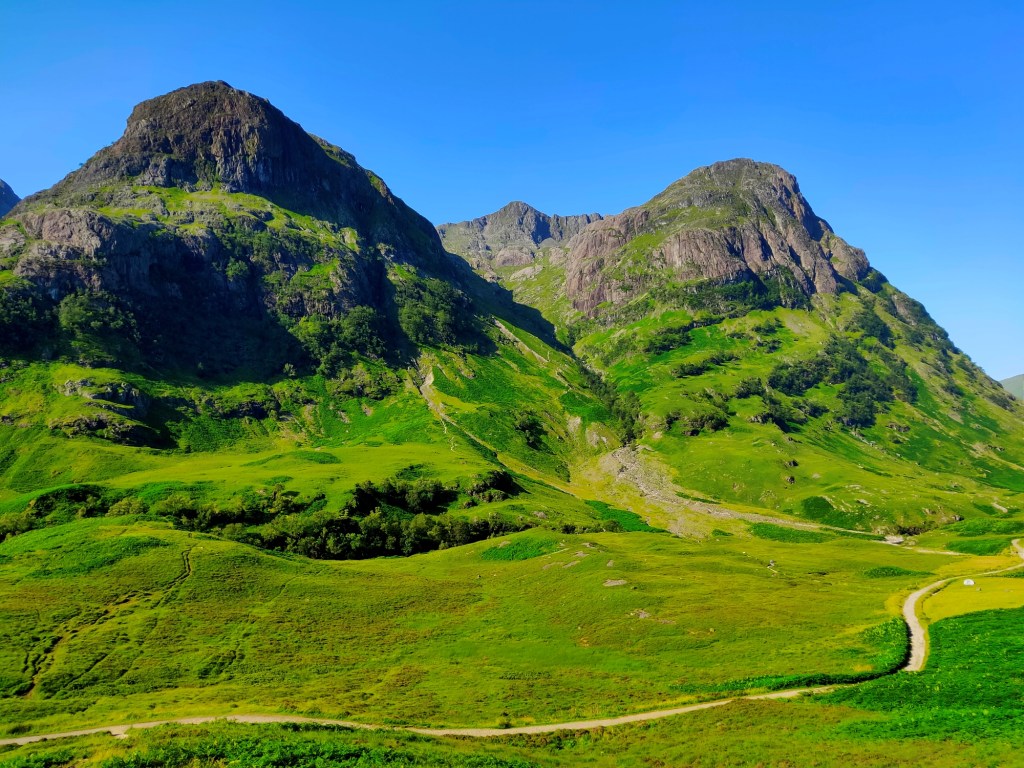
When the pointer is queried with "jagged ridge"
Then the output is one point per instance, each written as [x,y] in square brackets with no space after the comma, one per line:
[512,235]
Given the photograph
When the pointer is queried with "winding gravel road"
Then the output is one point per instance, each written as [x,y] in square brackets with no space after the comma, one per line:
[918,654]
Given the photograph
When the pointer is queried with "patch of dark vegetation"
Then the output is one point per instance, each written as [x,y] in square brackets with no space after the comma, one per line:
[620,519]
[55,507]
[863,391]
[703,364]
[624,406]
[892,572]
[700,417]
[867,322]
[530,427]
[733,299]
[402,515]
[752,387]
[773,532]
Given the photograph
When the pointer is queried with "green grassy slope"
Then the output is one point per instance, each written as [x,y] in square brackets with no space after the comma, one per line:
[953,449]
[108,620]
[815,389]
[1015,386]
[963,710]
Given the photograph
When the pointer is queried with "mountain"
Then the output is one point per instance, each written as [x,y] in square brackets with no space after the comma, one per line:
[1015,386]
[732,223]
[220,284]
[769,363]
[578,467]
[216,217]
[512,236]
[7,198]
[221,297]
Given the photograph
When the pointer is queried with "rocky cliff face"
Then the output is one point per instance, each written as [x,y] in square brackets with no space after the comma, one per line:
[215,217]
[7,198]
[512,236]
[211,135]
[738,223]
[731,222]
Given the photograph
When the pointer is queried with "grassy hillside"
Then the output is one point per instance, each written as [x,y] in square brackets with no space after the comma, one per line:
[275,462]
[1015,386]
[111,620]
[963,710]
[747,410]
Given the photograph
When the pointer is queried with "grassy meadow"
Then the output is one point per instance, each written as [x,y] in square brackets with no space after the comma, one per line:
[109,620]
[964,709]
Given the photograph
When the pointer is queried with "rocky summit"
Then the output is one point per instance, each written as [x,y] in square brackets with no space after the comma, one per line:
[7,198]
[730,223]
[511,236]
[216,217]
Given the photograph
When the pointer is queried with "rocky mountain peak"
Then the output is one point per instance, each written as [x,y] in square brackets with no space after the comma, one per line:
[738,221]
[744,183]
[7,198]
[514,234]
[154,227]
[212,135]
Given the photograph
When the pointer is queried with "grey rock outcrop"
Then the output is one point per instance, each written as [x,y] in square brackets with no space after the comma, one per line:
[725,223]
[216,217]
[7,198]
[511,236]
[212,134]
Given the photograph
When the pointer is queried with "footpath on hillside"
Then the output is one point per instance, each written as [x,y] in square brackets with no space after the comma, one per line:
[915,663]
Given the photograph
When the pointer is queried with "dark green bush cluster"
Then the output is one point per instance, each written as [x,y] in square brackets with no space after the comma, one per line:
[93,328]
[432,311]
[752,387]
[863,390]
[702,418]
[704,364]
[386,531]
[530,427]
[333,342]
[732,299]
[624,406]
[786,416]
[58,506]
[25,317]
[768,327]
[667,339]
[870,324]
[397,516]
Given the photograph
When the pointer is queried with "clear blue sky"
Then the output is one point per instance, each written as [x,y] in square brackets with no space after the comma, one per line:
[903,121]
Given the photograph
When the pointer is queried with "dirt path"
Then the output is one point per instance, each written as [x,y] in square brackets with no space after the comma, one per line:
[121,731]
[918,654]
[918,633]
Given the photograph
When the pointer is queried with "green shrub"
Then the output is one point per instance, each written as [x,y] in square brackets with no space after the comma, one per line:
[773,532]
